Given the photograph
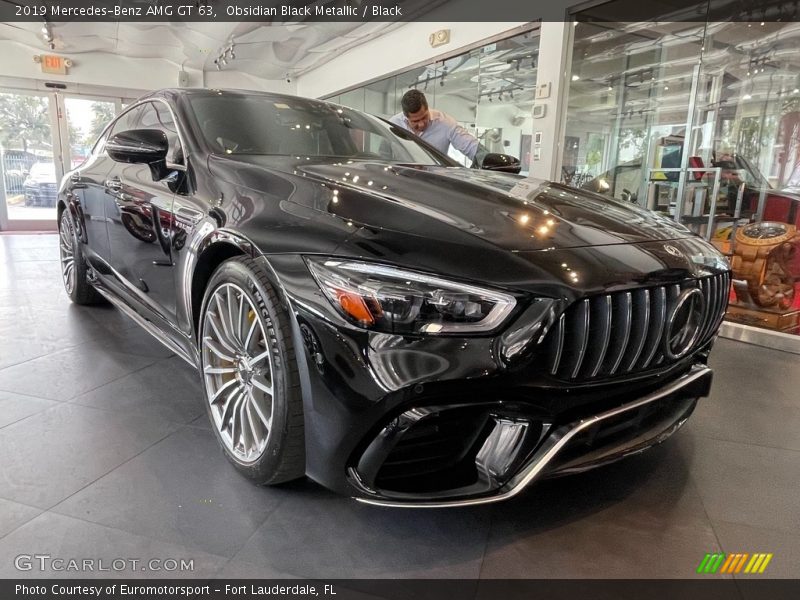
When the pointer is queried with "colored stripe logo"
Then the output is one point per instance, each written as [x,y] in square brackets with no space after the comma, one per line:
[729,564]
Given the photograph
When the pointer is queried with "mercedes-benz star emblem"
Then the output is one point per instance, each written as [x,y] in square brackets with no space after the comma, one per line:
[673,250]
[684,323]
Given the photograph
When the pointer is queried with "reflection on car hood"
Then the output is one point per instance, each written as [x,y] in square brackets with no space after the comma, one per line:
[508,211]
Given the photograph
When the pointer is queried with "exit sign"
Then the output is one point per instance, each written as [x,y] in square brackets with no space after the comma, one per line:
[55,65]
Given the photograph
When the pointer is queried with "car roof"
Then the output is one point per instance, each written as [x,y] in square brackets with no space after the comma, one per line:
[173,93]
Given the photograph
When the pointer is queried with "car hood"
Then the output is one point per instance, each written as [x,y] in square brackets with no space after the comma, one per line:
[509,211]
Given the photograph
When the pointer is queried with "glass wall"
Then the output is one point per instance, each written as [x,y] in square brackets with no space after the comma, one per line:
[489,91]
[700,120]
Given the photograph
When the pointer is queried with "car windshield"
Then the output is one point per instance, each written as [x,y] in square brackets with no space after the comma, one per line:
[254,124]
[44,170]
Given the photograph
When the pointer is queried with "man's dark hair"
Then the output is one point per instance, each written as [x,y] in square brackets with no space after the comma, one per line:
[413,101]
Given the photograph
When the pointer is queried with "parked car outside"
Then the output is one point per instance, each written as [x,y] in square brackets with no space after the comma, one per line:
[40,187]
[365,311]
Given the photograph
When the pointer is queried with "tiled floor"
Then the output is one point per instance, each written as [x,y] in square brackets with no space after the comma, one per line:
[104,453]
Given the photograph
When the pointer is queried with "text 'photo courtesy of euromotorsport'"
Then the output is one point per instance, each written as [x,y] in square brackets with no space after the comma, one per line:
[399,299]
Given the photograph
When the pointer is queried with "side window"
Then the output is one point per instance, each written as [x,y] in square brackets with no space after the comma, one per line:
[128,120]
[156,115]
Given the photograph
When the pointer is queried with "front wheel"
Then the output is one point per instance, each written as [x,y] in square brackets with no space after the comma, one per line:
[250,374]
[73,265]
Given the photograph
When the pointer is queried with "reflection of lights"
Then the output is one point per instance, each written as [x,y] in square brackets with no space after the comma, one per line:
[369,183]
[335,200]
[355,179]
[564,265]
[524,219]
[335,192]
[550,222]
[575,77]
[604,185]
[349,223]
[543,229]
[347,174]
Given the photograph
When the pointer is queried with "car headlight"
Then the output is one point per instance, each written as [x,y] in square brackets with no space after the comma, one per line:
[394,300]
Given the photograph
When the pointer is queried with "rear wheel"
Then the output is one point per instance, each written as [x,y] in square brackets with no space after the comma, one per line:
[250,374]
[73,265]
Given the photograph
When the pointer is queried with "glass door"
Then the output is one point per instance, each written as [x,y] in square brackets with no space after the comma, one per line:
[29,161]
[43,136]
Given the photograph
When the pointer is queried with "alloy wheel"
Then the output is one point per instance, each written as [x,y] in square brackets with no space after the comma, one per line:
[237,371]
[67,253]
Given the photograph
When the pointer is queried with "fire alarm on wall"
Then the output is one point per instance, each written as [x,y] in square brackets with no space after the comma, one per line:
[439,38]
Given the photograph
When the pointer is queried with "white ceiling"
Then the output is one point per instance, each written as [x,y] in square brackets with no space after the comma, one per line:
[262,49]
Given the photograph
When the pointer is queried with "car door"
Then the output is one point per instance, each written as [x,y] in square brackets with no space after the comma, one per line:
[87,186]
[140,224]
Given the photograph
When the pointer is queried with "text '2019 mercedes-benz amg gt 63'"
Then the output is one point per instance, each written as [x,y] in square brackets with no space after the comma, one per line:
[363,310]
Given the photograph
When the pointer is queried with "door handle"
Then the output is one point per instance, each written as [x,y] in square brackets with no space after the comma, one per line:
[189,214]
[114,184]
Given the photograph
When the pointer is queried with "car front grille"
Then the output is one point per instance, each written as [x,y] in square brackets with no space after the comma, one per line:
[633,331]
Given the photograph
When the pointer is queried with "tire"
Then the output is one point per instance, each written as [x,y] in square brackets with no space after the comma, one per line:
[73,265]
[249,372]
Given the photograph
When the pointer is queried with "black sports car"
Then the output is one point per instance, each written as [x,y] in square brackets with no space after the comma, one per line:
[364,311]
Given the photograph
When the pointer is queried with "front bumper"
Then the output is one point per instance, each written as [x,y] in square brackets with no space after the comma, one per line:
[504,466]
[439,421]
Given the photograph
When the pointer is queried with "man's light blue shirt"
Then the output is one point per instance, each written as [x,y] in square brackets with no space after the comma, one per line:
[442,132]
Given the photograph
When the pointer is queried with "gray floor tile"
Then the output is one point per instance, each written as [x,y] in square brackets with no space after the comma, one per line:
[314,533]
[589,550]
[68,373]
[53,454]
[13,514]
[735,537]
[169,389]
[181,490]
[202,422]
[64,537]
[133,340]
[589,525]
[16,349]
[15,407]
[742,483]
[744,372]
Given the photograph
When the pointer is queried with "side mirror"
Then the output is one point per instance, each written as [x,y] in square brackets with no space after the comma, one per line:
[501,162]
[146,146]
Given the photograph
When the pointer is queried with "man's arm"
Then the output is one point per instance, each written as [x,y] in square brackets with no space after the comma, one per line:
[461,139]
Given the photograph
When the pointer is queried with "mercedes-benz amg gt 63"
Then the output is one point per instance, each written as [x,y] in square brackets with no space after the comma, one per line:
[364,311]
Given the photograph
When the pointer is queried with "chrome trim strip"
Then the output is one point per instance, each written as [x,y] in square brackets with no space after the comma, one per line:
[606,325]
[627,315]
[645,329]
[551,447]
[584,333]
[559,347]
[660,297]
[148,326]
